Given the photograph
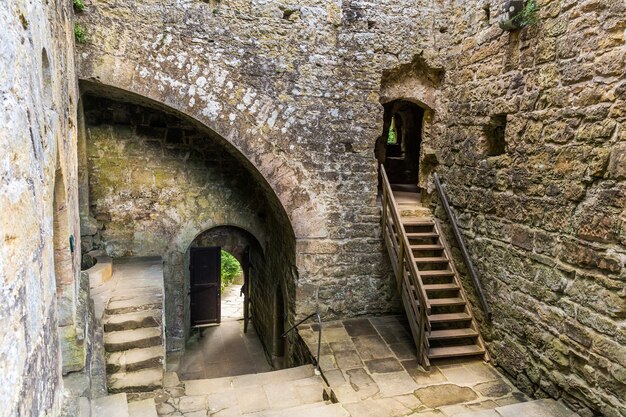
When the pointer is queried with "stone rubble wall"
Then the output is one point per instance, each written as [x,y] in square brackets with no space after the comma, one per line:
[545,222]
[37,138]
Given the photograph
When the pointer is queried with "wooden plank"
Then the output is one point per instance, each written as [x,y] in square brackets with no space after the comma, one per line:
[454,351]
[449,317]
[417,235]
[452,334]
[426,247]
[437,273]
[441,302]
[441,287]
[433,260]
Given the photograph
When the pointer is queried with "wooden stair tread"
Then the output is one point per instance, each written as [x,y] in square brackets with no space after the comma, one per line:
[424,234]
[437,259]
[451,351]
[437,273]
[452,334]
[427,247]
[441,287]
[448,317]
[439,302]
[416,221]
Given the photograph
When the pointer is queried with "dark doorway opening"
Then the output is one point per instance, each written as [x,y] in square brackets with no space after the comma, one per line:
[398,149]
[205,283]
[279,350]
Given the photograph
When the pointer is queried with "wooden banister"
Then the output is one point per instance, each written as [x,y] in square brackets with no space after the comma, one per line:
[407,274]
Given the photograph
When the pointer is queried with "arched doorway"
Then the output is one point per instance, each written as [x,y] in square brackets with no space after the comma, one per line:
[213,256]
[158,179]
[398,148]
[219,345]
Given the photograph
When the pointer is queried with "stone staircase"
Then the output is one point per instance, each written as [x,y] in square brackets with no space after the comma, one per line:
[134,338]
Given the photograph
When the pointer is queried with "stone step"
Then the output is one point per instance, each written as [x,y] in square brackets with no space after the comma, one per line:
[84,407]
[312,410]
[132,339]
[130,303]
[135,359]
[143,408]
[109,406]
[537,408]
[133,320]
[215,385]
[139,381]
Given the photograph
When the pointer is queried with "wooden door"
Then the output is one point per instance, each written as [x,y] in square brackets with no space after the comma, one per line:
[247,267]
[205,273]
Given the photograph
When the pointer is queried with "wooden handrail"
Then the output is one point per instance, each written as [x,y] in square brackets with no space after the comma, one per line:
[405,267]
[459,240]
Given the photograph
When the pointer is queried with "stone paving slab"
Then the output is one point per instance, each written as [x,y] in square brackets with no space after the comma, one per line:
[539,408]
[111,405]
[143,408]
[371,367]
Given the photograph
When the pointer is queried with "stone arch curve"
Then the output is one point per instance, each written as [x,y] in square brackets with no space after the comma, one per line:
[249,138]
[213,185]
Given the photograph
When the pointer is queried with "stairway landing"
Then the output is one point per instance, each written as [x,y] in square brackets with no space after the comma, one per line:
[372,371]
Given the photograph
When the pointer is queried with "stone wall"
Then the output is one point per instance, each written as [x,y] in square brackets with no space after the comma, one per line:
[37,148]
[545,220]
[295,88]
[156,183]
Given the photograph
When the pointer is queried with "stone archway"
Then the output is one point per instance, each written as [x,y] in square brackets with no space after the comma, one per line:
[246,248]
[157,179]
[418,84]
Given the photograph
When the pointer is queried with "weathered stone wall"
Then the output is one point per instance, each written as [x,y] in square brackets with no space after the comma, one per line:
[295,88]
[156,183]
[37,146]
[545,221]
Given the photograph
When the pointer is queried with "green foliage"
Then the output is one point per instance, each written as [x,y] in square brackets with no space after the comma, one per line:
[79,5]
[528,15]
[79,33]
[392,137]
[230,269]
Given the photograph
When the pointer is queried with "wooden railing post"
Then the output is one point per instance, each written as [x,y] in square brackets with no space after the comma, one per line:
[407,275]
[400,273]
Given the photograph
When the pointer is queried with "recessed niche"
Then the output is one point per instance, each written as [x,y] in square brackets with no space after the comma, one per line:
[495,133]
[46,75]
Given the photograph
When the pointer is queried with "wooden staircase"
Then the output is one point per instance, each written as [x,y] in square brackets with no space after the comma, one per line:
[433,296]
[453,331]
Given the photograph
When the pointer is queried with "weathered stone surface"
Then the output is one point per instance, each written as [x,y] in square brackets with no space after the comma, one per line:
[129,339]
[111,405]
[38,168]
[446,394]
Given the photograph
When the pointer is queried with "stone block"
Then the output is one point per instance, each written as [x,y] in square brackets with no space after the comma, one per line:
[446,394]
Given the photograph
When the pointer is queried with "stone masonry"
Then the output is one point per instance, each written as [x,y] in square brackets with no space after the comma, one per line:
[156,183]
[526,129]
[38,96]
[545,220]
[296,90]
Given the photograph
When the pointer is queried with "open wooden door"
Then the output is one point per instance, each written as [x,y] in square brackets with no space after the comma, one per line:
[205,273]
